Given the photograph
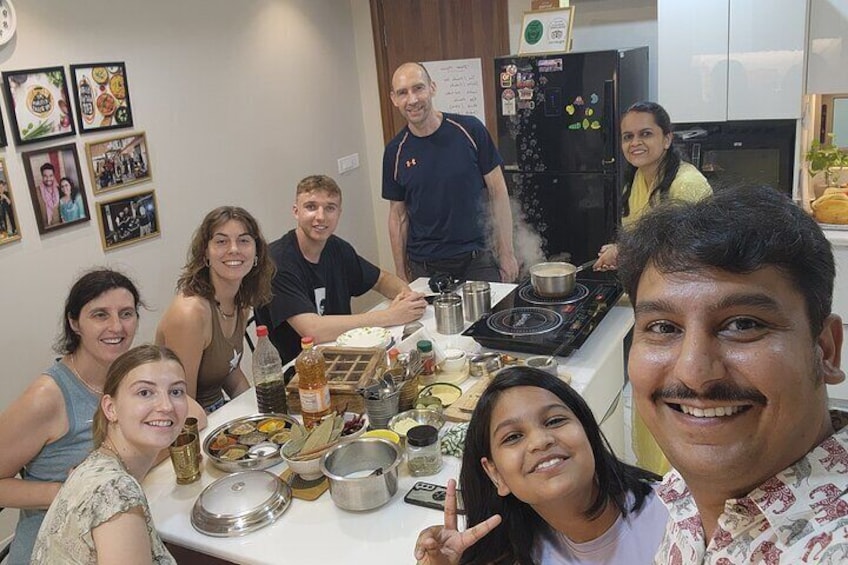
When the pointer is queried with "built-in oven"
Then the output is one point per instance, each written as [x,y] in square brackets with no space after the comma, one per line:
[739,154]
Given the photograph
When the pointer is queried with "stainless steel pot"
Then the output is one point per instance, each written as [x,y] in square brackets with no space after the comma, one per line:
[363,473]
[555,279]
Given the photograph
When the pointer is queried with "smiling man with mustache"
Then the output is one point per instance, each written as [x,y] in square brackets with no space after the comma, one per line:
[734,344]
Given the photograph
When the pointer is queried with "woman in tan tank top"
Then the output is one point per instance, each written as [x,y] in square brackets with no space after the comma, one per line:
[227,273]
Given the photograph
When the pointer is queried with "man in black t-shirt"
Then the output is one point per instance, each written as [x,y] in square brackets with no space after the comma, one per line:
[318,273]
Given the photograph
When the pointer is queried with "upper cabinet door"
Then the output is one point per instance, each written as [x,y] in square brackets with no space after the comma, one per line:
[827,67]
[692,59]
[766,59]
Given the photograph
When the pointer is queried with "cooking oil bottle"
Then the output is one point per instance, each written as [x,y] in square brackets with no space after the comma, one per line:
[312,383]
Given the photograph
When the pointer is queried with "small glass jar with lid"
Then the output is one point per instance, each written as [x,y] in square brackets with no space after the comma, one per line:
[428,357]
[423,451]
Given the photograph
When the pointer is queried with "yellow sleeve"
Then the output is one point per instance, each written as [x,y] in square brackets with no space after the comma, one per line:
[689,184]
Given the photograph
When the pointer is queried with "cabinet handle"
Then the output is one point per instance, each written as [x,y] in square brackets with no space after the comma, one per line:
[608,161]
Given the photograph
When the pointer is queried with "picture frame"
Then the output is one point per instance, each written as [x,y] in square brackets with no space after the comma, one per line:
[39,104]
[56,187]
[3,140]
[101,96]
[128,219]
[118,162]
[10,228]
[546,31]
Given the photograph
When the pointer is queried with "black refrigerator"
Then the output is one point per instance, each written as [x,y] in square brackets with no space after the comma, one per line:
[558,133]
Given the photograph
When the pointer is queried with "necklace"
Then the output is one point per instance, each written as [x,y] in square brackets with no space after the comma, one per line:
[72,366]
[224,314]
[110,447]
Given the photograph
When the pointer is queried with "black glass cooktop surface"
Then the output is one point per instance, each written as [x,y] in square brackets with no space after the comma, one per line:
[527,323]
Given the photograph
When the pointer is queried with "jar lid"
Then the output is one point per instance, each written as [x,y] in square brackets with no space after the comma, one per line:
[240,503]
[425,345]
[422,436]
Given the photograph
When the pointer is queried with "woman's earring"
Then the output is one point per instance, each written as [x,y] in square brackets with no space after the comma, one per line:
[207,261]
[255,261]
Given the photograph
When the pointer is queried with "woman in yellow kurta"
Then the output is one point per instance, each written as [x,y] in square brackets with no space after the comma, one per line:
[654,174]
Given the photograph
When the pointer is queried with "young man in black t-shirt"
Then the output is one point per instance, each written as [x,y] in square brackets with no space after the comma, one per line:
[318,273]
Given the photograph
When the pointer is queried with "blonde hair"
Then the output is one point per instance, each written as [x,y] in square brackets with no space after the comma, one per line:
[118,370]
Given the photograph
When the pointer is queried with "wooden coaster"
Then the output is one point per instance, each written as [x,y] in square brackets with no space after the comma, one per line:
[305,490]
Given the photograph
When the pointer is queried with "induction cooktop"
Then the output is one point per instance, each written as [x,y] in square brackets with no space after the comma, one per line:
[526,322]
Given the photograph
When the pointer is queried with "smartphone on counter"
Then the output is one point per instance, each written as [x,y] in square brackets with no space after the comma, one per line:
[432,496]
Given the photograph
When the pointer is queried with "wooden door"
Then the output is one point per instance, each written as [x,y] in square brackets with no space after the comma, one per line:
[434,30]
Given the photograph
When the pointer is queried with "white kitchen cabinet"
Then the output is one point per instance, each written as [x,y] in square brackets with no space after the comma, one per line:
[731,59]
[827,67]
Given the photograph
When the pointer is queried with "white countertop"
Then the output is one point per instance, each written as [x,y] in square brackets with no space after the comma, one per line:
[317,531]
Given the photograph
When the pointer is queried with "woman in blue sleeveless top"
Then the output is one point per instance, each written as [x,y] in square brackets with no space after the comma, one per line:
[47,430]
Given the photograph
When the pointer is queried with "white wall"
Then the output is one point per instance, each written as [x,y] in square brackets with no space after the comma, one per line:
[239,101]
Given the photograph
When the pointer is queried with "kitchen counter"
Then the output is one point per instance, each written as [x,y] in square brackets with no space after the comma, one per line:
[319,532]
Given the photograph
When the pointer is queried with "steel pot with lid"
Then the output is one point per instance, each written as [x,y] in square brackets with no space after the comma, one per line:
[555,279]
[240,503]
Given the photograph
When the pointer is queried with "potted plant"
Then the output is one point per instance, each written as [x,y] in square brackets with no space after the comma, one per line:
[826,158]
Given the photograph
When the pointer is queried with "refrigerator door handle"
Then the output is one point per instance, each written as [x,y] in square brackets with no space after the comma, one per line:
[609,128]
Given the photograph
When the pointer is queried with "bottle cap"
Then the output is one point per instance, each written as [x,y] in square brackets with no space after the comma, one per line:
[393,353]
[422,436]
[424,345]
[306,341]
[261,331]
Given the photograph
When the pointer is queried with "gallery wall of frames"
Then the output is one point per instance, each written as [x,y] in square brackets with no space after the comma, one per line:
[44,119]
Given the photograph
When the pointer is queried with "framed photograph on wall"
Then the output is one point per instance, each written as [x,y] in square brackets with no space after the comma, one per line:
[56,188]
[39,104]
[128,219]
[9,227]
[546,31]
[102,96]
[118,162]
[3,141]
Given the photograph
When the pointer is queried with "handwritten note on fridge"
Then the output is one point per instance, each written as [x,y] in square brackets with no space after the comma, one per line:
[459,86]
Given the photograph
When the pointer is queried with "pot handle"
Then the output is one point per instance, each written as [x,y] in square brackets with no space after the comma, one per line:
[586,265]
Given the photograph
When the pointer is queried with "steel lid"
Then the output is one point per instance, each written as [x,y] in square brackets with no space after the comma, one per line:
[240,503]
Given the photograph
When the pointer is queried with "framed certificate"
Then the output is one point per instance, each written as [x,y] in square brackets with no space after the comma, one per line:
[546,31]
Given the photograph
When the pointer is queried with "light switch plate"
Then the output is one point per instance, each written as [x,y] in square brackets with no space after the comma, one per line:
[348,163]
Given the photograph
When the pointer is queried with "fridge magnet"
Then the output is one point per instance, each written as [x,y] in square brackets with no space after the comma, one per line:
[512,69]
[56,187]
[550,65]
[118,162]
[127,220]
[525,94]
[102,96]
[506,80]
[508,102]
[38,104]
[546,31]
[9,230]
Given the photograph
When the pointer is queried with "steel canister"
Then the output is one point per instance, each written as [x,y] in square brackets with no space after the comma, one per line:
[476,300]
[448,313]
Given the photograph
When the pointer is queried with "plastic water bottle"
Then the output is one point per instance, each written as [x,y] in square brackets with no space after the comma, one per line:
[312,385]
[268,375]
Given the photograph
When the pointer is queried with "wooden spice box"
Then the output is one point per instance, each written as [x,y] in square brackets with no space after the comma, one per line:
[348,369]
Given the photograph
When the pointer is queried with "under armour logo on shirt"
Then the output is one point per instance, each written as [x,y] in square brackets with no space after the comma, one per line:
[410,163]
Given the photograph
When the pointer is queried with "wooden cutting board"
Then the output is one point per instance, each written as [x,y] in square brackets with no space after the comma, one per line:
[460,411]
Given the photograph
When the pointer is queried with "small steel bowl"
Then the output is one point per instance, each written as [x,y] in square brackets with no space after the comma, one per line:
[421,416]
[485,364]
[256,459]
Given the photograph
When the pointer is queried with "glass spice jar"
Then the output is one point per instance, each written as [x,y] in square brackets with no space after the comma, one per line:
[423,451]
[428,357]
